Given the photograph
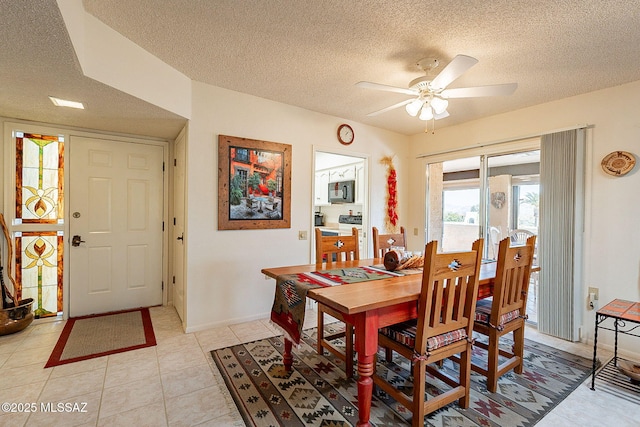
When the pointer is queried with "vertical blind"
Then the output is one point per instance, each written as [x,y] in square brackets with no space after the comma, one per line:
[561,220]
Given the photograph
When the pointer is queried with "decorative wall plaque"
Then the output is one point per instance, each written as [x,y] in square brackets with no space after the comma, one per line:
[618,163]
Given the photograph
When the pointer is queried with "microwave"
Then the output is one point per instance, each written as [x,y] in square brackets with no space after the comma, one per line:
[342,192]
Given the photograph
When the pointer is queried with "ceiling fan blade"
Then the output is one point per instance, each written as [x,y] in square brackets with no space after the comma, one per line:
[392,107]
[387,88]
[472,92]
[453,70]
[442,115]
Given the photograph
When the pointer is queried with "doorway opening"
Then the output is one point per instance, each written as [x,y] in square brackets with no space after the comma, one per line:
[339,216]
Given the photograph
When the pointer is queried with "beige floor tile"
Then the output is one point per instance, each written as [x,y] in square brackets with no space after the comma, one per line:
[11,377]
[553,420]
[142,354]
[150,415]
[252,331]
[73,412]
[78,367]
[196,407]
[217,338]
[13,419]
[180,360]
[123,398]
[135,370]
[227,420]
[45,326]
[28,357]
[73,385]
[9,343]
[177,383]
[22,393]
[178,343]
[48,340]
[3,358]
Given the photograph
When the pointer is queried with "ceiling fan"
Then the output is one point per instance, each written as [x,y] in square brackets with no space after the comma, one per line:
[430,95]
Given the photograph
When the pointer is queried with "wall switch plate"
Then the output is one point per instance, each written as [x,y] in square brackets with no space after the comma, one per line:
[592,298]
[415,231]
[302,235]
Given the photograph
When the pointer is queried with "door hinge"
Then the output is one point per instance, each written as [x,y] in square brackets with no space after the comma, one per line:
[163,285]
[174,280]
[162,166]
[174,220]
[162,225]
[175,162]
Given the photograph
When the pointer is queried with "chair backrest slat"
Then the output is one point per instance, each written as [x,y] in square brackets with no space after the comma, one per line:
[512,278]
[449,292]
[382,243]
[345,248]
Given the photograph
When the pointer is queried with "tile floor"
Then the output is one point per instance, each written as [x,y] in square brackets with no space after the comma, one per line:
[176,383]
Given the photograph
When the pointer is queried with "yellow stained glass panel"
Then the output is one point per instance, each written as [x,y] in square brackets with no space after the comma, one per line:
[39,270]
[39,178]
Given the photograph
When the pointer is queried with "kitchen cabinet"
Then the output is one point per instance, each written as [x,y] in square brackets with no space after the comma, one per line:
[338,174]
[360,184]
[321,192]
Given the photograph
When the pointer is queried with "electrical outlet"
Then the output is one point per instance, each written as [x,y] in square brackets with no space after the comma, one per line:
[302,235]
[594,291]
[415,231]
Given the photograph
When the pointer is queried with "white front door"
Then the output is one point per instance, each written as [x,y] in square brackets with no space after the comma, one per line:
[178,226]
[115,225]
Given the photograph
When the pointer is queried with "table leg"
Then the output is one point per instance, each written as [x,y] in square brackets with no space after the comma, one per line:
[287,357]
[595,349]
[366,327]
[615,347]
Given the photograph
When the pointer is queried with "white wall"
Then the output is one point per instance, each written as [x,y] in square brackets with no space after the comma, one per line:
[612,231]
[224,283]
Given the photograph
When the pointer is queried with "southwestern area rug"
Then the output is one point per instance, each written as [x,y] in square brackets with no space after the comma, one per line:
[317,393]
[99,335]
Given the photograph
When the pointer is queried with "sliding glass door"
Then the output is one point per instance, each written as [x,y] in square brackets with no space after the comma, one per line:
[455,220]
[489,196]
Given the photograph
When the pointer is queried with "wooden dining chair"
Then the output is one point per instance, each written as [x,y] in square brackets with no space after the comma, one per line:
[443,328]
[344,248]
[382,243]
[505,312]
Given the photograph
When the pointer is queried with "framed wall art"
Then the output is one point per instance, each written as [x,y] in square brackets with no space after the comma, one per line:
[254,184]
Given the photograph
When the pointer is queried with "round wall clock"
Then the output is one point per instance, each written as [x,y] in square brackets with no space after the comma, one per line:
[345,134]
[618,163]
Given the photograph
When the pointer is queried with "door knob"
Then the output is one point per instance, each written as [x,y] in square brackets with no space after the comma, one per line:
[76,240]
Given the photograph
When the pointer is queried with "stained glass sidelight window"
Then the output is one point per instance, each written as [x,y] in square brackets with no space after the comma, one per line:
[39,178]
[39,260]
[39,201]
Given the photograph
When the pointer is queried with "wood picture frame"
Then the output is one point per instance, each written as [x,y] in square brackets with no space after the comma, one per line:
[254,184]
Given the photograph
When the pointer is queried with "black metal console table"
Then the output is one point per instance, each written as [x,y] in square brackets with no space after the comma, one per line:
[622,312]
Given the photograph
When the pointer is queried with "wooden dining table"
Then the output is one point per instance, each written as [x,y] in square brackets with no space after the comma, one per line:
[370,306]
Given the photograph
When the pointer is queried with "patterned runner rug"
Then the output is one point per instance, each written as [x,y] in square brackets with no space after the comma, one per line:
[317,393]
[99,335]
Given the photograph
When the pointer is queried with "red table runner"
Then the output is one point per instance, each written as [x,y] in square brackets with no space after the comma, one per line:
[291,292]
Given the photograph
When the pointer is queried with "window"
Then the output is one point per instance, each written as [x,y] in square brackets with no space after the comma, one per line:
[39,217]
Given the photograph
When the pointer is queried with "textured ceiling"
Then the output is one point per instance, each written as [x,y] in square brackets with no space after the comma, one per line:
[310,53]
[38,60]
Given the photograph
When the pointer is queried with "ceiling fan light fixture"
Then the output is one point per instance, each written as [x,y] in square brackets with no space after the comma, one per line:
[414,107]
[439,104]
[426,113]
